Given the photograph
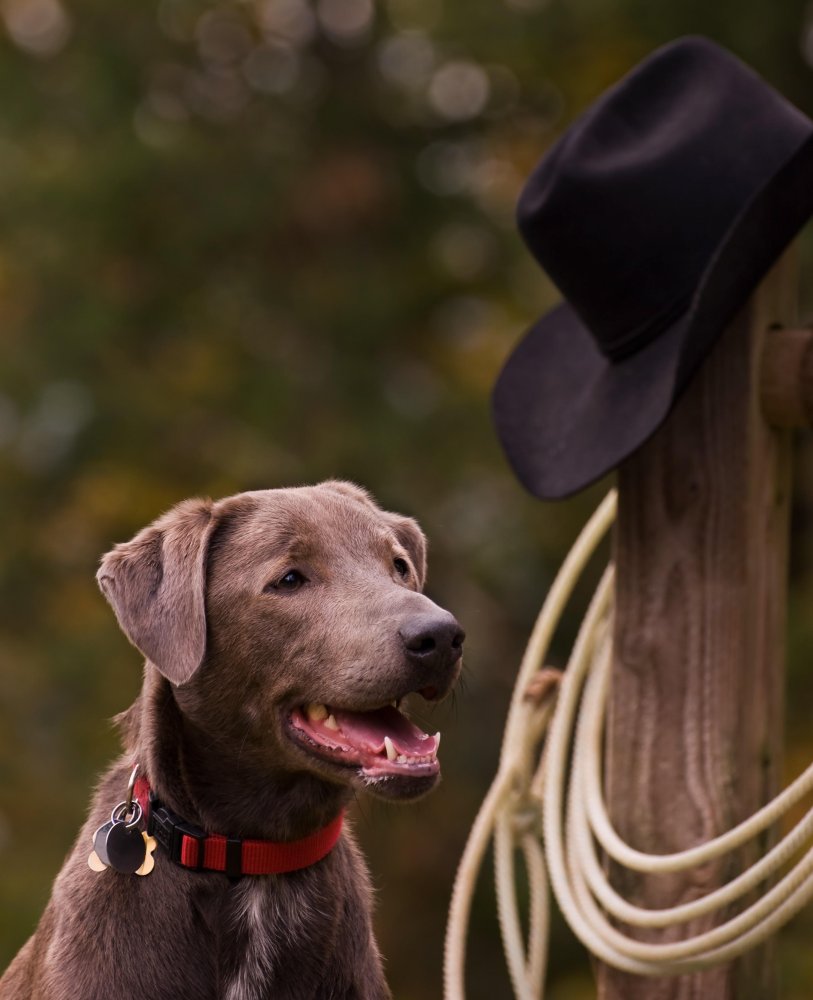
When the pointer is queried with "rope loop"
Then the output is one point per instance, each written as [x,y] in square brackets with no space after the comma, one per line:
[525,817]
[547,802]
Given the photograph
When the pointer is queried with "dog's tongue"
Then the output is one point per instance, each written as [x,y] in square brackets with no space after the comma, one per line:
[368,729]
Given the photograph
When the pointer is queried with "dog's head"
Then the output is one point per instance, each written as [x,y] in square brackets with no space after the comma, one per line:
[293,622]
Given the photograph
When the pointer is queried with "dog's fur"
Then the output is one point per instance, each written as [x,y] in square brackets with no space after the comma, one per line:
[229,654]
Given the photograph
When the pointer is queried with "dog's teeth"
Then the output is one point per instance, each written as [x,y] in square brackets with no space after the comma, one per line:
[402,759]
[392,753]
[437,743]
[331,722]
[317,712]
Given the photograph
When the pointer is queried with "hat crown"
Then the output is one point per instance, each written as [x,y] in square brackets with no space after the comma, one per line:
[627,208]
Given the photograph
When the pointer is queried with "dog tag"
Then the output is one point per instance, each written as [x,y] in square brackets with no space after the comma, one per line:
[95,863]
[119,843]
[150,843]
[124,847]
[100,843]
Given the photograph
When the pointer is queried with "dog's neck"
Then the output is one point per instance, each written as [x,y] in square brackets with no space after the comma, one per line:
[186,769]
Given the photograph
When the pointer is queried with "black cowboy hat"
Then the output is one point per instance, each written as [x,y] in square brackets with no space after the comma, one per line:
[655,214]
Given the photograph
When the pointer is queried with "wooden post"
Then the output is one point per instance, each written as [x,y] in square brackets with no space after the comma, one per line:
[696,711]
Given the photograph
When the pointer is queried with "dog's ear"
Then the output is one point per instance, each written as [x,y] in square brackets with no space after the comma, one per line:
[414,541]
[156,584]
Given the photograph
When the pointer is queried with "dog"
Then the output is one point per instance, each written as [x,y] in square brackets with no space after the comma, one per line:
[281,630]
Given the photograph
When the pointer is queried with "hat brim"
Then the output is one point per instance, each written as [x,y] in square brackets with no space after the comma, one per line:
[566,415]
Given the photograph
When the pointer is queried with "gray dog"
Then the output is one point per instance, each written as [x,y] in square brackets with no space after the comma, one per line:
[281,630]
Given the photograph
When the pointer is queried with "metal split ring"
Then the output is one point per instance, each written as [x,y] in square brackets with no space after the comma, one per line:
[122,811]
[131,788]
[129,807]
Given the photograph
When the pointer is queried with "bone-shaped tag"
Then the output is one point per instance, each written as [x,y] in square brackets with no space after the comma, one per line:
[97,865]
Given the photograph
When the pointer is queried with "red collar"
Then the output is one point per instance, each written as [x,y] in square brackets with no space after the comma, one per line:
[188,845]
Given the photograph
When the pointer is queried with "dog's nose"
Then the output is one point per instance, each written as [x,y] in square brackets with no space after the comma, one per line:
[433,640]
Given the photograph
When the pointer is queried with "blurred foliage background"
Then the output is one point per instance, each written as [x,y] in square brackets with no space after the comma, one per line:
[260,243]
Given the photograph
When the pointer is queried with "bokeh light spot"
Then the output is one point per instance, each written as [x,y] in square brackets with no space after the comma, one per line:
[347,22]
[459,90]
[272,68]
[406,59]
[291,20]
[39,27]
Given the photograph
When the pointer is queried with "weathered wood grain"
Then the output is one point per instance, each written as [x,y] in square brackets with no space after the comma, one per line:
[787,377]
[695,721]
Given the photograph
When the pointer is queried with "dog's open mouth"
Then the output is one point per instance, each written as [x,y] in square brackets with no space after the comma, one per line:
[381,743]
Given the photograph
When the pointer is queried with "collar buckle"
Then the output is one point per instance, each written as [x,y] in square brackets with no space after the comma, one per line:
[169,830]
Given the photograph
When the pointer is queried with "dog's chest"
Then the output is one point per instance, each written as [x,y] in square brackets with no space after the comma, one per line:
[279,939]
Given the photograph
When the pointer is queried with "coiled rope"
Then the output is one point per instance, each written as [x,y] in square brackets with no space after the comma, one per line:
[557,821]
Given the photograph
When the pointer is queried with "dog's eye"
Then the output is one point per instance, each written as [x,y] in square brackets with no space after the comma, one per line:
[292,580]
[401,567]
